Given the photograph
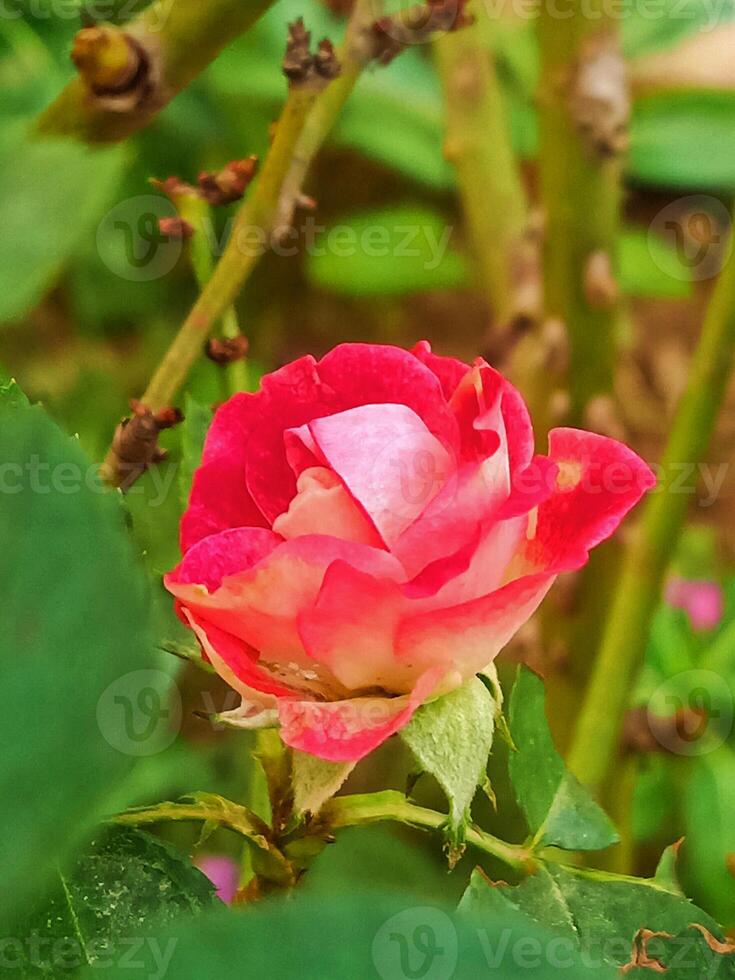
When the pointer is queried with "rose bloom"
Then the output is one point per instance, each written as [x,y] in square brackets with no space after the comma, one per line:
[368,531]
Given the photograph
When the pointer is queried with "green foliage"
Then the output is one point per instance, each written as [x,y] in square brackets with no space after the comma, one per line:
[601,915]
[559,810]
[197,418]
[123,881]
[709,804]
[388,252]
[52,194]
[649,267]
[451,738]
[316,780]
[75,624]
[357,934]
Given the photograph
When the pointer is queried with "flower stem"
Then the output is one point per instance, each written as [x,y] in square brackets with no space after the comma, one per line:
[198,214]
[353,811]
[179,40]
[580,190]
[478,145]
[639,586]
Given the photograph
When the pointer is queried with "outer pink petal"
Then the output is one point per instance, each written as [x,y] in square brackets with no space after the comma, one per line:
[346,731]
[262,605]
[219,496]
[469,636]
[227,553]
[240,660]
[351,629]
[448,370]
[599,481]
[388,460]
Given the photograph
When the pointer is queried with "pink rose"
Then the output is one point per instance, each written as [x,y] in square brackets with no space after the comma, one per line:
[369,530]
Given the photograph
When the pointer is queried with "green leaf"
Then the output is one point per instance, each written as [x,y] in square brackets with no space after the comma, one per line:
[709,804]
[666,870]
[668,131]
[387,252]
[52,194]
[360,934]
[597,913]
[559,810]
[197,419]
[12,395]
[316,780]
[74,649]
[123,879]
[451,738]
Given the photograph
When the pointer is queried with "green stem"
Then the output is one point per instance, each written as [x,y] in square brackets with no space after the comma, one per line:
[639,586]
[478,145]
[580,192]
[353,811]
[181,38]
[198,214]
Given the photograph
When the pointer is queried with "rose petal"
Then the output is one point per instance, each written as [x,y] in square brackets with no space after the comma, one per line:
[346,731]
[599,480]
[388,460]
[236,663]
[219,496]
[322,505]
[448,370]
[351,629]
[262,605]
[227,553]
[467,637]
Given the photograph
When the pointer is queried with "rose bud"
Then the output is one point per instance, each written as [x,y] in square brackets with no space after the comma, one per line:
[368,531]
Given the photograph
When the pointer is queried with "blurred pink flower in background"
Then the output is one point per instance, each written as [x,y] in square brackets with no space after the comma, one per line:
[223,872]
[701,599]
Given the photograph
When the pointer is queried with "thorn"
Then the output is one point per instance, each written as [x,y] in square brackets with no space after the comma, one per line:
[226,350]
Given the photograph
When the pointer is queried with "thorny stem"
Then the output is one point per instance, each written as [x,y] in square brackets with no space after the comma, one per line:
[178,40]
[258,214]
[478,145]
[353,811]
[639,586]
[198,213]
[580,172]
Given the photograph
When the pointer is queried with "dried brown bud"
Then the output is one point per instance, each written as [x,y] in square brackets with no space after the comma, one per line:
[175,228]
[300,66]
[226,350]
[228,184]
[135,443]
[173,187]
